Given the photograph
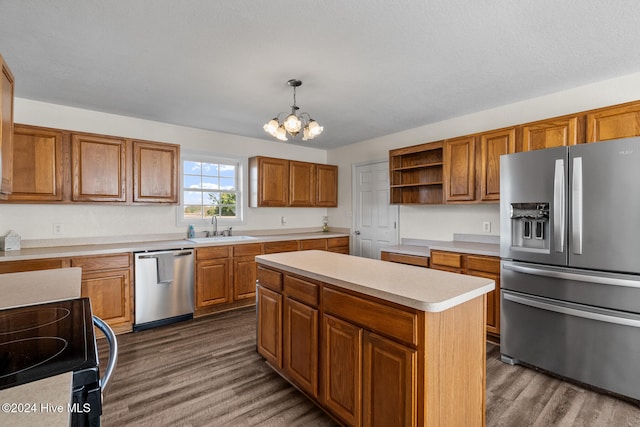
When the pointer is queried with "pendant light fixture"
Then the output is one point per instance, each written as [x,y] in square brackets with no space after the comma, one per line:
[294,122]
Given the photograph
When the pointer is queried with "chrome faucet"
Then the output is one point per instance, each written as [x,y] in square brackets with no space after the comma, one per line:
[214,221]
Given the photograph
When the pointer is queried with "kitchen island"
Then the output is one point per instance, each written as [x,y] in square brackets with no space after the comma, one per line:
[375,343]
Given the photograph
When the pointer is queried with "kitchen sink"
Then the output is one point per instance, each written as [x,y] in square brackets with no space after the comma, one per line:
[215,239]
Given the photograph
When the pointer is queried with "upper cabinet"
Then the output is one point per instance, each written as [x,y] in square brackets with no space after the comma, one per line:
[281,182]
[416,174]
[492,146]
[618,121]
[99,171]
[60,166]
[155,172]
[327,186]
[557,132]
[38,156]
[6,129]
[460,169]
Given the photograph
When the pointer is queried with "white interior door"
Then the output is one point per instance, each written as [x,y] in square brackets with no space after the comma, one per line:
[375,221]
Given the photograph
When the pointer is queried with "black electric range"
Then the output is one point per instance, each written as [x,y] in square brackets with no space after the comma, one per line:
[40,341]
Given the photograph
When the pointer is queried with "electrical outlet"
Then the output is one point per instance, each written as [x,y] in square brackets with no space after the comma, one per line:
[486,227]
[58,229]
[283,220]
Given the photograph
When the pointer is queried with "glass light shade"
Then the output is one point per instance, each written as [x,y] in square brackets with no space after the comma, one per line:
[305,134]
[314,128]
[292,123]
[281,134]
[271,127]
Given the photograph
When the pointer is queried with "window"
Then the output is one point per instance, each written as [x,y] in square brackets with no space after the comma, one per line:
[211,186]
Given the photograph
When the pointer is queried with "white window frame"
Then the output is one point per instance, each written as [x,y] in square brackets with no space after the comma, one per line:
[241,183]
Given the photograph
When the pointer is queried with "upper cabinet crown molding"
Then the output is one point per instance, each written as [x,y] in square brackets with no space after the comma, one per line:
[280,182]
[7,83]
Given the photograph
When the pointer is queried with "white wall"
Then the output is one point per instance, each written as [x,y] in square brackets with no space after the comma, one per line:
[82,220]
[440,222]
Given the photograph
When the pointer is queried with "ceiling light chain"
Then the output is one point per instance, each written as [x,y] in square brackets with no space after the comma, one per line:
[294,122]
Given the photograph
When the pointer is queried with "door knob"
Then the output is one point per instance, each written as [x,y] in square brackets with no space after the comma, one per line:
[357,232]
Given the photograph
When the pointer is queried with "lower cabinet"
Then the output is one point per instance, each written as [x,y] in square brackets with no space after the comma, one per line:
[301,344]
[106,280]
[270,326]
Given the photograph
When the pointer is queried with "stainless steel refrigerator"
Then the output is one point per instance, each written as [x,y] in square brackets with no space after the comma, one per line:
[570,248]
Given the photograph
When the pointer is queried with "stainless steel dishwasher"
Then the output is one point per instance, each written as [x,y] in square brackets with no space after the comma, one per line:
[164,287]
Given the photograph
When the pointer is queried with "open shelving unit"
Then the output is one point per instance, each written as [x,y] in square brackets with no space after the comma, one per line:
[416,174]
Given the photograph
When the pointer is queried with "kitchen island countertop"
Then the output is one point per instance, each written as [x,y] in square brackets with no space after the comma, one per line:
[422,289]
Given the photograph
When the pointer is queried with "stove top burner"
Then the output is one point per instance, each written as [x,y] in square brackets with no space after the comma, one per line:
[12,323]
[19,355]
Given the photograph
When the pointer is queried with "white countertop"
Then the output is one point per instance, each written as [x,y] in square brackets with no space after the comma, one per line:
[38,403]
[112,248]
[416,287]
[469,244]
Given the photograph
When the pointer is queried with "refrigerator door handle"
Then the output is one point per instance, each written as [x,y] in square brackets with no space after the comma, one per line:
[558,205]
[576,206]
[565,309]
[599,280]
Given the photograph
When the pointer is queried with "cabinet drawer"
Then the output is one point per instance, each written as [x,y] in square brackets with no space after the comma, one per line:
[483,263]
[32,265]
[270,278]
[102,262]
[301,290]
[275,247]
[416,260]
[313,244]
[446,259]
[213,252]
[247,249]
[386,320]
[334,242]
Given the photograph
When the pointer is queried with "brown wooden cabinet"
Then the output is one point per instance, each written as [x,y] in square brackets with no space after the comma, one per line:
[417,260]
[309,244]
[302,184]
[106,280]
[618,121]
[342,369]
[270,326]
[280,246]
[327,186]
[556,132]
[99,168]
[460,169]
[33,265]
[213,276]
[281,182]
[492,146]
[244,270]
[338,244]
[389,386]
[475,265]
[156,168]
[38,164]
[7,83]
[416,174]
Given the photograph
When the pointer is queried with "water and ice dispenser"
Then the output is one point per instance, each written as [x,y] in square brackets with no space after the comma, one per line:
[530,225]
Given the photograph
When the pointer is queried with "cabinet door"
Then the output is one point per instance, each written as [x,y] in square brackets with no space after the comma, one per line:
[301,345]
[244,278]
[270,326]
[327,186]
[155,172]
[212,282]
[341,369]
[560,132]
[110,294]
[488,267]
[621,121]
[492,146]
[37,164]
[269,181]
[302,184]
[7,83]
[98,168]
[460,169]
[389,389]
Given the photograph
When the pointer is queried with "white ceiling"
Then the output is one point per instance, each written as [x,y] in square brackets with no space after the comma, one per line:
[369,67]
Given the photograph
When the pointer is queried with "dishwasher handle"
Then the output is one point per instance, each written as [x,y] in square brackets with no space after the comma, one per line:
[175,254]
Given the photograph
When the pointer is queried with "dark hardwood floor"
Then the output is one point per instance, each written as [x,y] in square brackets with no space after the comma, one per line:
[206,372]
